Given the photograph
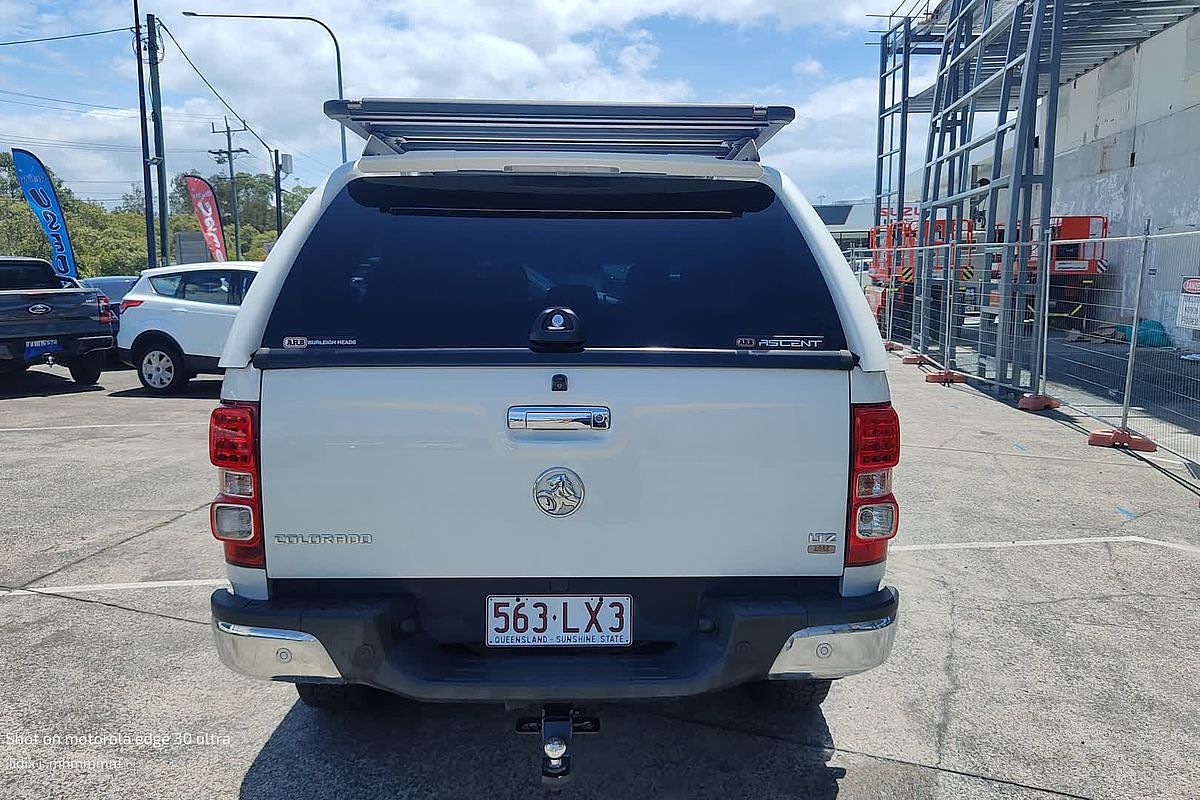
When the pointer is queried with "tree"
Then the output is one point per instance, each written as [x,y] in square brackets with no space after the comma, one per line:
[105,243]
[256,207]
[133,201]
[294,198]
[113,242]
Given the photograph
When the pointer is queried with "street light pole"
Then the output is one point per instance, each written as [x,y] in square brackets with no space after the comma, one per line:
[278,195]
[160,155]
[337,50]
[147,191]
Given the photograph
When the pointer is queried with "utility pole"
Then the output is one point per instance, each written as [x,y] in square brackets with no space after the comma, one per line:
[283,166]
[151,258]
[227,156]
[278,196]
[160,156]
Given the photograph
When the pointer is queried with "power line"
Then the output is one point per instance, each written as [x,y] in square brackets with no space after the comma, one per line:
[173,114]
[76,143]
[126,113]
[324,165]
[212,88]
[67,36]
[67,143]
[115,114]
[59,100]
[224,102]
[103,147]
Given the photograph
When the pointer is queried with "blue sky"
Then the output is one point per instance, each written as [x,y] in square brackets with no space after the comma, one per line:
[806,53]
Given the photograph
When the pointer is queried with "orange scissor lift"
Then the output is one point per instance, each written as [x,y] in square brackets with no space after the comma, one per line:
[895,261]
[1077,264]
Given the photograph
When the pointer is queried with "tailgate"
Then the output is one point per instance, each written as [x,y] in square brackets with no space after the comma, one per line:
[416,472]
[39,313]
[689,316]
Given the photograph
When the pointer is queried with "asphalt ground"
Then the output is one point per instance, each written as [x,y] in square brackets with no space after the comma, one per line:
[1048,641]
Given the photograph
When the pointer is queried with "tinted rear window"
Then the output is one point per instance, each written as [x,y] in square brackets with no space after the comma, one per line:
[28,275]
[470,261]
[114,288]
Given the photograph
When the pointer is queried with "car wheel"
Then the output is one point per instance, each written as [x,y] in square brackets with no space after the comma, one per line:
[85,370]
[338,696]
[161,368]
[789,695]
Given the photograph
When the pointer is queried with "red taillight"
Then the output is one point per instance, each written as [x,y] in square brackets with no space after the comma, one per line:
[231,436]
[106,313]
[876,437]
[127,304]
[235,516]
[873,514]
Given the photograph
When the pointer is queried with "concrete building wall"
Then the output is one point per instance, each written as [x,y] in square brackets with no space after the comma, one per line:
[1128,147]
[1128,136]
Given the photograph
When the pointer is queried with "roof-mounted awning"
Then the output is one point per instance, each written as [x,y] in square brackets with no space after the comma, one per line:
[731,132]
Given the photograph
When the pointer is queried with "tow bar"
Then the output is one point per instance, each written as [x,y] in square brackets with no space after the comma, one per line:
[556,725]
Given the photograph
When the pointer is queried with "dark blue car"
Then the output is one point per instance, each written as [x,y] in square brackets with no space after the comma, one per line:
[114,287]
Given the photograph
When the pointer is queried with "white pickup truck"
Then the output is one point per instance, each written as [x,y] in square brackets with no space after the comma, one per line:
[551,403]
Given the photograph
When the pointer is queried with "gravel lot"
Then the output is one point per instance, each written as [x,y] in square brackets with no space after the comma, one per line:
[1047,645]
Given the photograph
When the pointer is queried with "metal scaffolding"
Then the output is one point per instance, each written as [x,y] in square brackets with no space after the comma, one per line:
[1005,58]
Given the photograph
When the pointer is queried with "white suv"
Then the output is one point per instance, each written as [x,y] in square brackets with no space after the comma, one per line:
[601,414]
[175,320]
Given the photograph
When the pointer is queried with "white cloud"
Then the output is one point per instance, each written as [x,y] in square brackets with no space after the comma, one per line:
[808,66]
[278,73]
[539,19]
[830,148]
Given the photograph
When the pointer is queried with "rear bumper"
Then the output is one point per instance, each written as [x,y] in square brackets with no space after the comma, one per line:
[67,348]
[382,643]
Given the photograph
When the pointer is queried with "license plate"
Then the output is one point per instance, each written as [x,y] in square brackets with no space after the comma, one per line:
[37,347]
[559,620]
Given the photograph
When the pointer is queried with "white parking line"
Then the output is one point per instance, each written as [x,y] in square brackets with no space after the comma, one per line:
[107,425]
[110,587]
[901,548]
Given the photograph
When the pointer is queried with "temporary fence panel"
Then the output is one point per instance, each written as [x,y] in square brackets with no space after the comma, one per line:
[875,289]
[975,323]
[1064,323]
[888,287]
[912,300]
[1164,396]
[972,303]
[944,302]
[933,287]
[1087,328]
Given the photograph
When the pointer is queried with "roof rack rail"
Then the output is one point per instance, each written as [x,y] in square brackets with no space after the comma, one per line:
[730,132]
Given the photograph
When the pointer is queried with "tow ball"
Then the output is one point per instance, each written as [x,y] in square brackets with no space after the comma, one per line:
[556,725]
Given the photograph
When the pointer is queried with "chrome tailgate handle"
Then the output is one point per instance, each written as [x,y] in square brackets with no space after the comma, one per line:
[559,418]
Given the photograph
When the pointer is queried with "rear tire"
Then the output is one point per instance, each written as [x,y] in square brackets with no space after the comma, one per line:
[161,368]
[85,370]
[338,696]
[789,695]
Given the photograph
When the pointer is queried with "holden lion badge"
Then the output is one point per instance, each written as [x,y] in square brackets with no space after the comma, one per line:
[558,492]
